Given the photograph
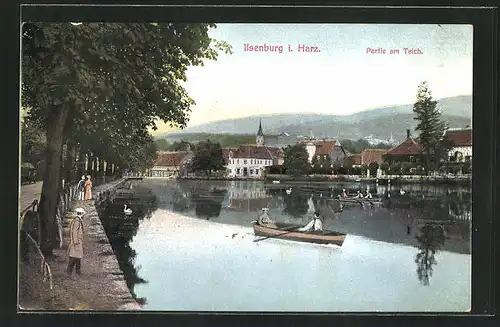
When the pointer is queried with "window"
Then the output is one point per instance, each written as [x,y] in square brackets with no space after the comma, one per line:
[245,162]
[251,171]
[237,171]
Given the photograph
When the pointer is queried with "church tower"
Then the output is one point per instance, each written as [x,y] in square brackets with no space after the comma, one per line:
[260,135]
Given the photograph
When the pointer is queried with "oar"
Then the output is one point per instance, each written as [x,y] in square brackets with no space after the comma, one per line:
[288,231]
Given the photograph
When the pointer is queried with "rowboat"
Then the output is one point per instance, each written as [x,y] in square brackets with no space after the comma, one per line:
[360,200]
[287,232]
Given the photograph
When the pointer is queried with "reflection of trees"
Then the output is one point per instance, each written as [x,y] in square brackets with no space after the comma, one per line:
[121,229]
[208,204]
[431,239]
[296,204]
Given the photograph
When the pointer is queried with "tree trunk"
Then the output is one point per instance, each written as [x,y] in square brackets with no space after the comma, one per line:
[51,180]
[69,165]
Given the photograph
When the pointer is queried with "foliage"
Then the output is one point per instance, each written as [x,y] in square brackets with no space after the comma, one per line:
[321,165]
[431,128]
[384,167]
[406,167]
[395,168]
[162,145]
[181,146]
[208,157]
[372,167]
[359,145]
[102,86]
[33,142]
[296,160]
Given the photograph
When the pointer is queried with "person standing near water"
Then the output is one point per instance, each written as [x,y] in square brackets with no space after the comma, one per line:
[80,189]
[88,188]
[75,247]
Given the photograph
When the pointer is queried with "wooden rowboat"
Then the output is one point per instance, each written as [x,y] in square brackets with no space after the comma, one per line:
[286,232]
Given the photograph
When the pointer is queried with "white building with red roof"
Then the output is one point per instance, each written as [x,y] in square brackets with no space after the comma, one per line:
[461,140]
[249,161]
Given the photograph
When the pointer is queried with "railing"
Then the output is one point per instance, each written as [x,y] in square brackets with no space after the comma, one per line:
[44,266]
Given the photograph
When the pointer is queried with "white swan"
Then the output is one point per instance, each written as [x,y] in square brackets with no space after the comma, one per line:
[127,211]
[289,191]
[401,192]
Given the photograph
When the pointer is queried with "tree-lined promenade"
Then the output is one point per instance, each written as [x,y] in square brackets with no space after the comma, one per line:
[92,92]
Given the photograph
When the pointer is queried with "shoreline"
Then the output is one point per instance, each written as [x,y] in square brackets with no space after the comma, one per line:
[319,179]
[102,285]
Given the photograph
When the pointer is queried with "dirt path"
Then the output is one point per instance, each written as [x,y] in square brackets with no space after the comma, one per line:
[101,285]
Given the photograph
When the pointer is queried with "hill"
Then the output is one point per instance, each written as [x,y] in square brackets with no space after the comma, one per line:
[377,123]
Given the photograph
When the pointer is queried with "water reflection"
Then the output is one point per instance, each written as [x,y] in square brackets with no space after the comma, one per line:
[421,216]
[121,229]
[431,239]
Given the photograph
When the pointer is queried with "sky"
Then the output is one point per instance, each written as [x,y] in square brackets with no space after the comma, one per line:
[342,78]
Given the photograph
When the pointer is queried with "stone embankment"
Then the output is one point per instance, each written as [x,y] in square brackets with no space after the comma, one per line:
[102,284]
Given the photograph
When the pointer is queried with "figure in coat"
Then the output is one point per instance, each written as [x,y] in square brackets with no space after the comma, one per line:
[75,247]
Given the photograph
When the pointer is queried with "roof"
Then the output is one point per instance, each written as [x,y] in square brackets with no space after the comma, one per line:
[260,133]
[257,152]
[322,146]
[460,137]
[408,148]
[170,159]
[372,155]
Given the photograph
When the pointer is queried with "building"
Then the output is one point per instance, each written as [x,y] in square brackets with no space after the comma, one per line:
[408,151]
[353,160]
[372,155]
[323,148]
[250,161]
[168,164]
[461,140]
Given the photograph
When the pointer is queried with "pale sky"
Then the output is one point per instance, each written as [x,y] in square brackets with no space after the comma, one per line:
[341,79]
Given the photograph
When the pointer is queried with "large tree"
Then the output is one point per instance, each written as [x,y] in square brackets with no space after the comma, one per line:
[431,127]
[208,157]
[296,160]
[101,86]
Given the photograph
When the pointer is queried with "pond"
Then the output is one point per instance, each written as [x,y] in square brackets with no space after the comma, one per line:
[189,246]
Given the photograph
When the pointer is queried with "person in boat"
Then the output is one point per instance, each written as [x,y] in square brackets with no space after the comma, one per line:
[264,219]
[368,195]
[344,193]
[315,224]
[359,195]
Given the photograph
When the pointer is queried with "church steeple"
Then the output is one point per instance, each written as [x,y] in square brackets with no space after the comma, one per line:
[260,135]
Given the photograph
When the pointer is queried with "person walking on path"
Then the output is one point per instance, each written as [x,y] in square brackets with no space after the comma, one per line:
[75,247]
[88,188]
[81,188]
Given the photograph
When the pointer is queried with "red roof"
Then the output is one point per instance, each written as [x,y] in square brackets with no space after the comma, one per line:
[372,155]
[323,147]
[170,159]
[460,137]
[257,152]
[409,147]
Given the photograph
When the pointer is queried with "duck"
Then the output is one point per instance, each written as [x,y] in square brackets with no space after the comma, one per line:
[289,191]
[401,192]
[127,211]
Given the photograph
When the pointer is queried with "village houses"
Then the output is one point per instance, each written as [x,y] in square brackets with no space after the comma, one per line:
[321,149]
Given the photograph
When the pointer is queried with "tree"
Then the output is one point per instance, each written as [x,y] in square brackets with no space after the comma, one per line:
[162,145]
[322,165]
[181,146]
[103,85]
[430,126]
[208,157]
[372,167]
[384,167]
[296,160]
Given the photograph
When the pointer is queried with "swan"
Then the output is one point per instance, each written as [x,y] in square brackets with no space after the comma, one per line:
[127,211]
[289,191]
[401,192]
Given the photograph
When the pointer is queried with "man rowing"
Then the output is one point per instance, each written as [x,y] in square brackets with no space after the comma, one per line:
[264,219]
[315,224]
[368,195]
[359,195]
[344,193]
